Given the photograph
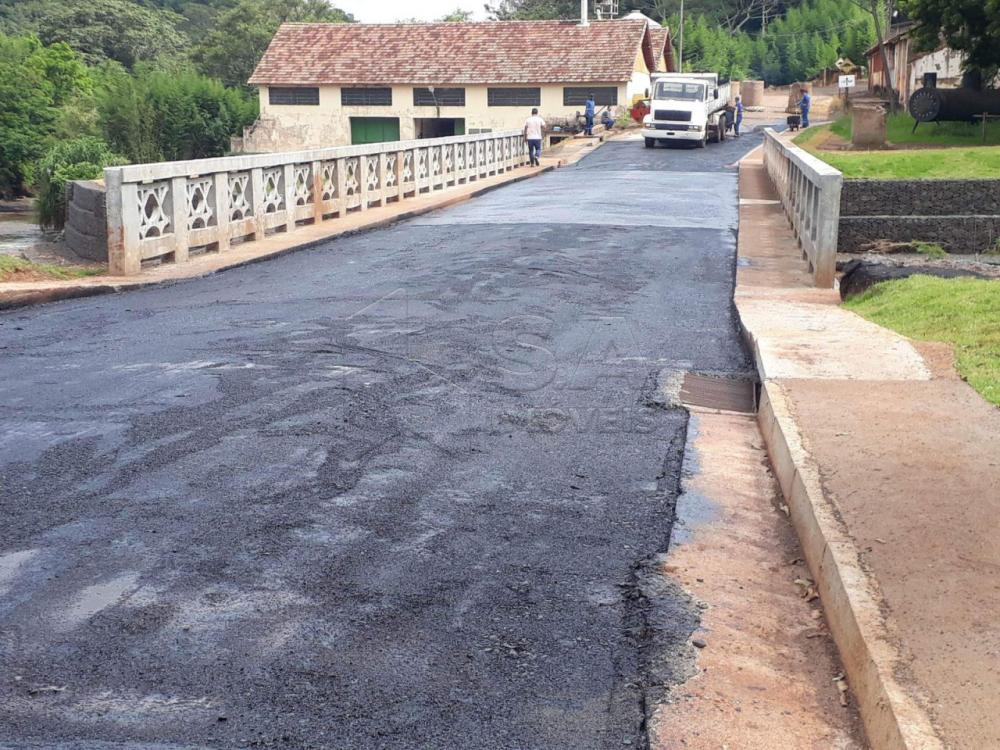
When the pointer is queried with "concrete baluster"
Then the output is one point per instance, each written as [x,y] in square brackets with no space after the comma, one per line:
[288,172]
[179,217]
[220,184]
[316,173]
[257,187]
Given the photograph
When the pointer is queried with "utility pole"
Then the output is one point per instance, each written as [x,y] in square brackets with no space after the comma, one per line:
[885,56]
[680,43]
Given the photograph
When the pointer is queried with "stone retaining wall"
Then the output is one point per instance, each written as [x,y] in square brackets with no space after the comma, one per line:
[86,231]
[963,216]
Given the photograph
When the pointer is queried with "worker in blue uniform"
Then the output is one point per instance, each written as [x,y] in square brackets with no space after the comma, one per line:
[804,105]
[589,111]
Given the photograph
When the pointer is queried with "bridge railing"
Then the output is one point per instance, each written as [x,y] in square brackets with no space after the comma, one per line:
[810,193]
[171,210]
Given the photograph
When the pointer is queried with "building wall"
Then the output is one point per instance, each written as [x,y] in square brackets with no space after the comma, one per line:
[285,128]
[898,52]
[640,84]
[945,62]
[908,68]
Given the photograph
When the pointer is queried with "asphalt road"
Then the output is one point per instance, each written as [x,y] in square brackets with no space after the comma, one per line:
[404,490]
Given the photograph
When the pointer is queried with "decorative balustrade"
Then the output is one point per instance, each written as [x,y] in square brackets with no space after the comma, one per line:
[810,194]
[171,210]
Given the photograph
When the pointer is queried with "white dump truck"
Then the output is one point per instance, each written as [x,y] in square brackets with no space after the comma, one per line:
[687,107]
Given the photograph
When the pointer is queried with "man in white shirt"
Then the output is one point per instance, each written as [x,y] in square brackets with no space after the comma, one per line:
[534,129]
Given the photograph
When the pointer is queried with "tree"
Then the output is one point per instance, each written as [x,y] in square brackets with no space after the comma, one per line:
[457,15]
[533,10]
[74,159]
[174,115]
[968,26]
[34,81]
[101,29]
[231,51]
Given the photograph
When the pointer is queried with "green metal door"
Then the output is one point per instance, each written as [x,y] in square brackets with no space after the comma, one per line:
[374,129]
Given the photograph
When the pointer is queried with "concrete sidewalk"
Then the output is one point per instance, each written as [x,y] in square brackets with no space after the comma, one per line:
[15,294]
[888,463]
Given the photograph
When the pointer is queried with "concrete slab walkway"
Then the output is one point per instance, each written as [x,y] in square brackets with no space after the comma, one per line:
[888,463]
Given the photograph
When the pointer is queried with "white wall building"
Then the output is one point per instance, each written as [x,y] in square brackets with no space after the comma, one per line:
[337,84]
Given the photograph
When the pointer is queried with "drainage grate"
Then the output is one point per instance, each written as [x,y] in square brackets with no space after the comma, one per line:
[719,392]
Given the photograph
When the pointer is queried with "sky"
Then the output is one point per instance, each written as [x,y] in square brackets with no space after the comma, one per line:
[386,11]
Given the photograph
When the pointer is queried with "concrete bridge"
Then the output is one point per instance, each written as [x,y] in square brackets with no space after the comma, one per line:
[411,488]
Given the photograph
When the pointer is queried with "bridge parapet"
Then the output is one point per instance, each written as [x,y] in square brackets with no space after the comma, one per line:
[169,211]
[810,194]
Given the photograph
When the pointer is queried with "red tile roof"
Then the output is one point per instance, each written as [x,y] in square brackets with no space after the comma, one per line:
[660,38]
[494,52]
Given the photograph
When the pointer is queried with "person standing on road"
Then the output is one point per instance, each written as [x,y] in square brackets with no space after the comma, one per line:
[534,129]
[804,107]
[739,116]
[589,110]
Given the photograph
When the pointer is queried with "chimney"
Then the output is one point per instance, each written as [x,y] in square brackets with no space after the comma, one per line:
[583,13]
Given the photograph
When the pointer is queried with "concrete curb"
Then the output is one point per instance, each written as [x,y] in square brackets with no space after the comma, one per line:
[869,650]
[851,602]
[27,298]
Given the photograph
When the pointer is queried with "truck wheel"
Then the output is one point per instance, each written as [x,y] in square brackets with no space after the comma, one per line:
[650,143]
[703,141]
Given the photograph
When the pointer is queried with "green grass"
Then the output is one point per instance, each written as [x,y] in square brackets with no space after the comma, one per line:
[930,249]
[922,164]
[962,312]
[962,153]
[899,132]
[12,266]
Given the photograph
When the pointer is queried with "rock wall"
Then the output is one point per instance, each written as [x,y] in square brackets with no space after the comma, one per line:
[963,216]
[86,231]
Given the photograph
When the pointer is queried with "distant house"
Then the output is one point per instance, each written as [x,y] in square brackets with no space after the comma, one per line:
[338,84]
[908,66]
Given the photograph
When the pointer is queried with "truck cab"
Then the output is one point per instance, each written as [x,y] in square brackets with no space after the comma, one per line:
[688,107]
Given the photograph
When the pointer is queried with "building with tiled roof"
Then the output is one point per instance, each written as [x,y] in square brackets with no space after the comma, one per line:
[336,84]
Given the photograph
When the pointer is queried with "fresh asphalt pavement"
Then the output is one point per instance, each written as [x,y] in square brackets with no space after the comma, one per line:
[403,490]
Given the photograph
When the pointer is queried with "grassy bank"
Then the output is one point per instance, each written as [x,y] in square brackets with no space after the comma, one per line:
[14,268]
[962,312]
[963,154]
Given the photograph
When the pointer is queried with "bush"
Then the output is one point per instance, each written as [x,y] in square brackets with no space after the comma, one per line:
[172,116]
[34,82]
[77,159]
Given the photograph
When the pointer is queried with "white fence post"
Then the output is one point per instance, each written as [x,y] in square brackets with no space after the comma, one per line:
[809,189]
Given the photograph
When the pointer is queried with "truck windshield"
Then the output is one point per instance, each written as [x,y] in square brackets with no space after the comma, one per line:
[694,92]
